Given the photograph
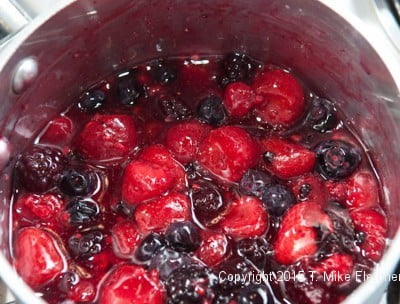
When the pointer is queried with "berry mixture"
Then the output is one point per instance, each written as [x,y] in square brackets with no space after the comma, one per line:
[162,183]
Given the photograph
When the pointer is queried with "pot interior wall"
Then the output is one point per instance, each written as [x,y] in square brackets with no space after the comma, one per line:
[91,39]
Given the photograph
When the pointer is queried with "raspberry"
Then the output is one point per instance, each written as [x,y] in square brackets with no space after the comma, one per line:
[42,207]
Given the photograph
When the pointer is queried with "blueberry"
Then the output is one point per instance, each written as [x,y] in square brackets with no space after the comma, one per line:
[173,109]
[254,294]
[336,159]
[192,284]
[237,67]
[255,250]
[208,203]
[168,260]
[183,236]
[254,181]
[150,245]
[82,211]
[129,90]
[211,110]
[322,116]
[67,281]
[91,101]
[78,182]
[277,199]
[87,244]
[164,72]
[39,168]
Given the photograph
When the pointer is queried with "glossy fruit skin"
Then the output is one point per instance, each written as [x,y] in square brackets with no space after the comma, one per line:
[322,116]
[237,67]
[82,211]
[91,101]
[150,245]
[58,131]
[144,181]
[246,217]
[337,159]
[254,181]
[157,215]
[87,244]
[168,260]
[173,109]
[129,90]
[77,182]
[228,152]
[116,133]
[211,111]
[183,236]
[256,250]
[36,207]
[214,248]
[286,159]
[125,239]
[39,168]
[190,284]
[337,263]
[362,191]
[277,199]
[297,237]
[38,257]
[239,99]
[183,139]
[132,284]
[281,97]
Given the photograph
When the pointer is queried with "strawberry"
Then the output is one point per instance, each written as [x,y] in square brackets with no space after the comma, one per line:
[132,284]
[58,131]
[281,96]
[157,215]
[310,187]
[41,207]
[183,139]
[362,191]
[374,225]
[107,137]
[144,180]
[338,266]
[238,99]
[228,152]
[159,155]
[214,248]
[38,258]
[125,239]
[297,237]
[286,159]
[246,217]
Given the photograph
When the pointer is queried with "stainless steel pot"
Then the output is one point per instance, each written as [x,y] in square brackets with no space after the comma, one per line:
[76,42]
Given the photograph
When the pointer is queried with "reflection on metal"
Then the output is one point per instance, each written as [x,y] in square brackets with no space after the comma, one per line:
[24,75]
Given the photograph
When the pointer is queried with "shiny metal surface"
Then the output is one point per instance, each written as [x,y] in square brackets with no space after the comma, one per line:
[12,17]
[327,47]
[388,19]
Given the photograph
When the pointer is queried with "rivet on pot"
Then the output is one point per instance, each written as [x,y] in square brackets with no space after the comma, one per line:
[25,74]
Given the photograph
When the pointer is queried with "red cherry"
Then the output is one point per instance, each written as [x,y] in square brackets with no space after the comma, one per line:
[58,131]
[238,99]
[214,248]
[281,96]
[362,191]
[228,152]
[125,239]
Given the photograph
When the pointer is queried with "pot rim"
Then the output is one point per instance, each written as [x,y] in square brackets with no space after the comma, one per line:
[379,43]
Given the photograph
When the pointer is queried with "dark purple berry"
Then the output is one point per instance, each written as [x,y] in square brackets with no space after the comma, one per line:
[39,168]
[129,90]
[211,111]
[208,204]
[164,72]
[78,182]
[168,260]
[277,199]
[150,245]
[322,116]
[173,109]
[87,244]
[91,101]
[304,191]
[183,236]
[67,281]
[255,250]
[237,67]
[336,159]
[192,284]
[254,181]
[82,211]
[254,294]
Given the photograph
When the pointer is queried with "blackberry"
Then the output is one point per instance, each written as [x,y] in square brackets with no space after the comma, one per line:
[237,67]
[87,244]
